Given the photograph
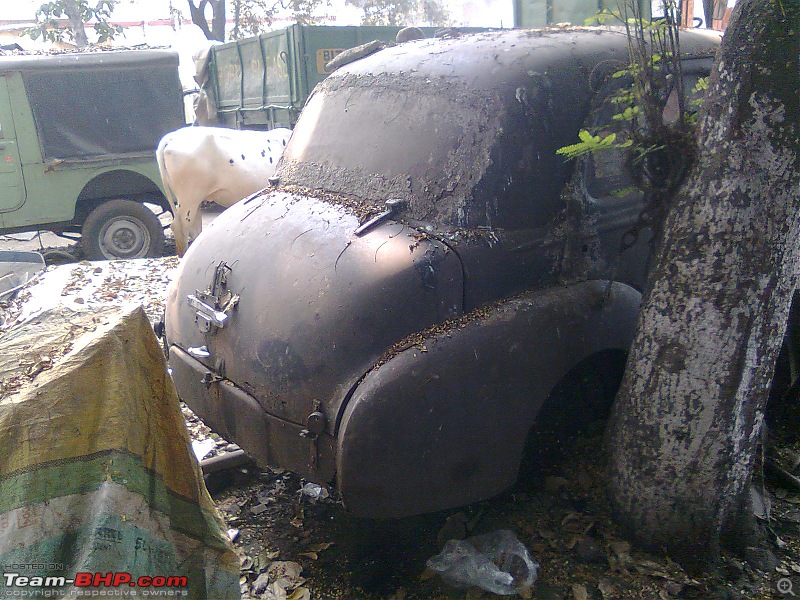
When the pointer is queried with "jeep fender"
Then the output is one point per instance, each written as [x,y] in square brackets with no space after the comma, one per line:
[444,423]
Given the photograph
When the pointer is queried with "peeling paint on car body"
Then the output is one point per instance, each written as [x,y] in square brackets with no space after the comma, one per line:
[414,354]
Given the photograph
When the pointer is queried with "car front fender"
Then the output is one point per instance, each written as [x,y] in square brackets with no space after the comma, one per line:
[444,422]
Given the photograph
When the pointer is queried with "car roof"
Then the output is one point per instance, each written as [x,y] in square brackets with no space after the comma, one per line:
[492,58]
[459,127]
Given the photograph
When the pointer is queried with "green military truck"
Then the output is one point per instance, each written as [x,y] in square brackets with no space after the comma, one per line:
[78,134]
[262,82]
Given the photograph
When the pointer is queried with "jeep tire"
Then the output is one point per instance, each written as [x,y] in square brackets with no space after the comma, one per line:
[122,229]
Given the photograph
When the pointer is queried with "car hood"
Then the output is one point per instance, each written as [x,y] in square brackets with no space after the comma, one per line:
[309,305]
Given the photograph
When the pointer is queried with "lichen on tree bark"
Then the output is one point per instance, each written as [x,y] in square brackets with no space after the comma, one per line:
[689,414]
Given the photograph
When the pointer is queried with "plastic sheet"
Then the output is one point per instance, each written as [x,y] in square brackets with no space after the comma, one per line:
[496,562]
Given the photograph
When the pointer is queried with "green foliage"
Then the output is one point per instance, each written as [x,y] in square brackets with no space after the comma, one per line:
[49,17]
[251,17]
[403,13]
[651,90]
[602,17]
[698,92]
[629,115]
[592,143]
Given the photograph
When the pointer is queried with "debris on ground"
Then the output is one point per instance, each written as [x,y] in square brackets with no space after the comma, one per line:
[562,517]
[16,269]
[89,284]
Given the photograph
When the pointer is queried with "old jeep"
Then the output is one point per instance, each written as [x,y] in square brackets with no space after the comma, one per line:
[425,274]
[78,134]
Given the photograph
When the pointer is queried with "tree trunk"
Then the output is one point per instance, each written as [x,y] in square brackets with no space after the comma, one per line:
[689,414]
[75,19]
[218,20]
[708,13]
[237,15]
[217,29]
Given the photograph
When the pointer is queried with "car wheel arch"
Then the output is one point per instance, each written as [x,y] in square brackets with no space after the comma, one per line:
[118,184]
[443,437]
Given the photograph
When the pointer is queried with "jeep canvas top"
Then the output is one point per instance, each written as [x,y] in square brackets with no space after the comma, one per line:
[78,133]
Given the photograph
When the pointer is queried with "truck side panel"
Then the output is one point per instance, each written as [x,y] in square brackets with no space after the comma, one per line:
[251,82]
[53,192]
[263,82]
[29,149]
[12,188]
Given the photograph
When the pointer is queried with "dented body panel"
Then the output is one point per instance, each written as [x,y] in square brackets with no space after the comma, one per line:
[394,312]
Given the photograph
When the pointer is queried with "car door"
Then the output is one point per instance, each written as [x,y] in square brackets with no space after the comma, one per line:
[12,185]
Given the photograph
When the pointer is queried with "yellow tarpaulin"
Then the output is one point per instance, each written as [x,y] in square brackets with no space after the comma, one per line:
[97,474]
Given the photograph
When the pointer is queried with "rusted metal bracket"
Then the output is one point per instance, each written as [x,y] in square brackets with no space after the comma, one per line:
[206,316]
[212,305]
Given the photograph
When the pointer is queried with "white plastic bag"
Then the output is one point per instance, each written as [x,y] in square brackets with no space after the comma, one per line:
[496,562]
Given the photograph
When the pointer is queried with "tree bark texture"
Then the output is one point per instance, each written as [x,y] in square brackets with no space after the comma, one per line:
[689,414]
[73,12]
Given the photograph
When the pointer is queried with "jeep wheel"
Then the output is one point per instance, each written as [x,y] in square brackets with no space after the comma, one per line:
[122,229]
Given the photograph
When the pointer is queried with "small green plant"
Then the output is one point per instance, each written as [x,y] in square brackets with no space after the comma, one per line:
[698,92]
[660,144]
[592,143]
[651,119]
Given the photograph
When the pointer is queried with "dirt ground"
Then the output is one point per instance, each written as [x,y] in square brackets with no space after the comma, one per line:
[563,520]
[561,517]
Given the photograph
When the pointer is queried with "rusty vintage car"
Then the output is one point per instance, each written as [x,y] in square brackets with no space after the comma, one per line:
[424,272]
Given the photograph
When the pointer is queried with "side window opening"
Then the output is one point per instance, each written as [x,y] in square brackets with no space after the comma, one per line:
[607,174]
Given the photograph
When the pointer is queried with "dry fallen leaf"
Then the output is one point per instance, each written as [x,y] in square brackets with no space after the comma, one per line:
[620,547]
[400,594]
[609,591]
[427,574]
[300,593]
[454,528]
[266,557]
[547,534]
[321,546]
[245,563]
[286,573]
[275,591]
[579,592]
